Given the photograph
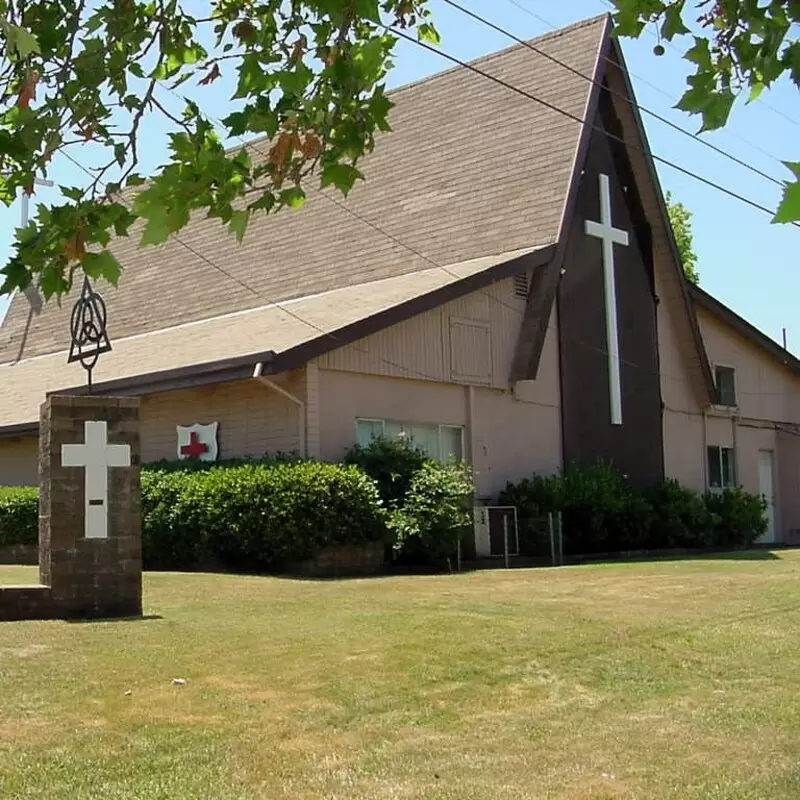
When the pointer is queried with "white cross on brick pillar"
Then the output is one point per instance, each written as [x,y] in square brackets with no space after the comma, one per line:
[96,456]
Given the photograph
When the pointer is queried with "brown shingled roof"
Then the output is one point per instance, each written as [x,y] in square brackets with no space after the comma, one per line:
[470,170]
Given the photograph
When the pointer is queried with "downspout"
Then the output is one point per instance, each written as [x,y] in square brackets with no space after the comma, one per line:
[301,406]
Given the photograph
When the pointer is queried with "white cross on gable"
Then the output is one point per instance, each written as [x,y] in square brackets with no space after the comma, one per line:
[609,235]
[96,456]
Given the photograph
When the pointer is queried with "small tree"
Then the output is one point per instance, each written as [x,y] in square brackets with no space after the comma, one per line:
[435,512]
[681,220]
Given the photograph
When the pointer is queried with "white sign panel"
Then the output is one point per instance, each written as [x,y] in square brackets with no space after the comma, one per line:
[96,455]
[198,442]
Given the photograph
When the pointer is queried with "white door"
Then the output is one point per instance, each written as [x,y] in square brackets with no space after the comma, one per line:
[766,482]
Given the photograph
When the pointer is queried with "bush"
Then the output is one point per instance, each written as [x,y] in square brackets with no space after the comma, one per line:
[602,513]
[391,464]
[737,518]
[434,513]
[680,518]
[257,515]
[19,515]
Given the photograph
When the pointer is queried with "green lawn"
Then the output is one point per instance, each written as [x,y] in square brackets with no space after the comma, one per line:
[675,679]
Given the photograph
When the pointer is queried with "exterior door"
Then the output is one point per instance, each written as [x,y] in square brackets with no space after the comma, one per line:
[766,482]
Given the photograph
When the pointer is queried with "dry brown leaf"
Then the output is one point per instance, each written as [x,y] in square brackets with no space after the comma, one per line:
[312,146]
[300,47]
[212,75]
[279,152]
[27,91]
[75,247]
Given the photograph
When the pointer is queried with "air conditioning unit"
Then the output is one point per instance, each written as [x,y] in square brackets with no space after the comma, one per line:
[496,531]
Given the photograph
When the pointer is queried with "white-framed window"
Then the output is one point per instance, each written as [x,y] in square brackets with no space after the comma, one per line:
[440,442]
[721,467]
[725,381]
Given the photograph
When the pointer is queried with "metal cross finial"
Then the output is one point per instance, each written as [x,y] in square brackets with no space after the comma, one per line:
[89,338]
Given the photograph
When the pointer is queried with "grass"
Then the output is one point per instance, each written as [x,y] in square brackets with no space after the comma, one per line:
[671,679]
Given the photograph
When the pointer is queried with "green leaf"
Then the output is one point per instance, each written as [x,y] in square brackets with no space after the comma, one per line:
[794,166]
[342,176]
[72,192]
[294,197]
[673,21]
[427,33]
[134,179]
[21,42]
[238,224]
[102,265]
[699,54]
[789,209]
[755,91]
[717,109]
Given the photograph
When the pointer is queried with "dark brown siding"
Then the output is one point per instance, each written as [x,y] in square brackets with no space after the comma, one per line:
[636,446]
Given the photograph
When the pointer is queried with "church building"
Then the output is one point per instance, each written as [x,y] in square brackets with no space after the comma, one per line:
[505,288]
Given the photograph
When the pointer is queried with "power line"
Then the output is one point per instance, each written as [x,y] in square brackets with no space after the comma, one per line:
[621,96]
[726,132]
[530,96]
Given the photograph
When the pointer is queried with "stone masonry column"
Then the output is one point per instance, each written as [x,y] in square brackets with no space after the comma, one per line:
[90,530]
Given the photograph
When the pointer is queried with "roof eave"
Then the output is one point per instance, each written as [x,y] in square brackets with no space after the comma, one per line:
[744,328]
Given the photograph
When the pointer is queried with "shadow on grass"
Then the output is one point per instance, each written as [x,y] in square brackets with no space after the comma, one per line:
[110,620]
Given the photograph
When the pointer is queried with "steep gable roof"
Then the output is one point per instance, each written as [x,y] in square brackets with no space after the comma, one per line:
[470,170]
[611,109]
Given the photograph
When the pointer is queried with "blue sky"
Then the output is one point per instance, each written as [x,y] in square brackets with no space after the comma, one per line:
[747,262]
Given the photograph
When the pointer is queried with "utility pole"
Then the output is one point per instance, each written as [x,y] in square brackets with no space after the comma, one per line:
[26,200]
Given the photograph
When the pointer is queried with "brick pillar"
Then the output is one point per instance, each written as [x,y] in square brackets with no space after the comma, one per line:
[90,577]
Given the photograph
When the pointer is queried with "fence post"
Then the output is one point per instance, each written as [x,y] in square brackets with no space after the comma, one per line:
[552,537]
[560,539]
[505,538]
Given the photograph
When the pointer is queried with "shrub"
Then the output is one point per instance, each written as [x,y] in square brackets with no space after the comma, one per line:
[435,512]
[534,497]
[680,517]
[737,517]
[391,464]
[19,515]
[258,515]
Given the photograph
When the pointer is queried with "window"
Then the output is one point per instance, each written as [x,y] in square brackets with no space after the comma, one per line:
[725,379]
[440,442]
[721,468]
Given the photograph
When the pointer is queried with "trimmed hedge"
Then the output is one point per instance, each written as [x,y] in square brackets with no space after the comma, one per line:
[602,513]
[19,515]
[254,515]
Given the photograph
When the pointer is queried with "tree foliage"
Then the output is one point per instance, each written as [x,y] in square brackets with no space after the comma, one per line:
[308,75]
[739,47]
[681,220]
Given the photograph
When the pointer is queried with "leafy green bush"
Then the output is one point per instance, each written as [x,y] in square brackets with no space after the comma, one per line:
[680,518]
[391,464]
[19,515]
[602,513]
[737,518]
[256,515]
[434,513]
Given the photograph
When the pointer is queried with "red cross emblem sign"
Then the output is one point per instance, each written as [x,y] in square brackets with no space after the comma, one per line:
[198,442]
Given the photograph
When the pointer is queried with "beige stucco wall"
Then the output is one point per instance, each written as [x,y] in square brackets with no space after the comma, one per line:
[19,462]
[414,372]
[681,385]
[253,418]
[764,388]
